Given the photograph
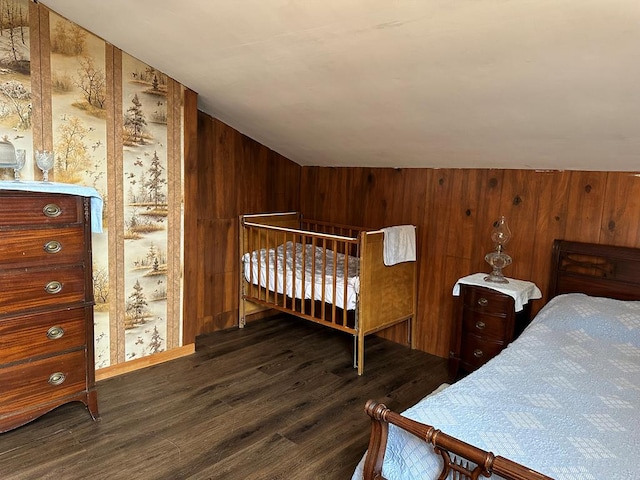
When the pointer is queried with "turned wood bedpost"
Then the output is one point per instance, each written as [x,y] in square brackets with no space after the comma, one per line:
[377,441]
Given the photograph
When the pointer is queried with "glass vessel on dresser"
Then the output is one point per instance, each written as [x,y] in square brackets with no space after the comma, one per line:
[21,157]
[498,259]
[44,160]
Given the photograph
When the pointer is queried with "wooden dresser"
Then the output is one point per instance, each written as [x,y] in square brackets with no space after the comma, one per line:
[486,322]
[46,305]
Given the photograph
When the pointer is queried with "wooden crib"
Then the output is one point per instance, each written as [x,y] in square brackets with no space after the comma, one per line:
[344,284]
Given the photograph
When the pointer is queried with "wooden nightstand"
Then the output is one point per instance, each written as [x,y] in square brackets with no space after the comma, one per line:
[486,321]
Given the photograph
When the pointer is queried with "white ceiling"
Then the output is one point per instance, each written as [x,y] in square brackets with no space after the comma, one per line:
[541,84]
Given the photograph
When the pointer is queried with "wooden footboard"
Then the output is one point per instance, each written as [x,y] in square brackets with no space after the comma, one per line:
[461,461]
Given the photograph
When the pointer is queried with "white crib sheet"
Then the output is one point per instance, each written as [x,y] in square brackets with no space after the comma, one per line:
[563,399]
[282,280]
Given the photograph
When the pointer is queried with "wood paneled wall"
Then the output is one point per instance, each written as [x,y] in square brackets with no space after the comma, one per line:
[454,211]
[232,175]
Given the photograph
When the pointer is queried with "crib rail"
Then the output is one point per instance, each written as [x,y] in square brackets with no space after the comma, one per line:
[330,228]
[297,270]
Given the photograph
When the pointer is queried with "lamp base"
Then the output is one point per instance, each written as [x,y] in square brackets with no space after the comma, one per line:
[498,260]
[496,277]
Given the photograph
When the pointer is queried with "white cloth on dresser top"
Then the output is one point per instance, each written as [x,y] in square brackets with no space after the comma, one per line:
[66,188]
[399,244]
[520,290]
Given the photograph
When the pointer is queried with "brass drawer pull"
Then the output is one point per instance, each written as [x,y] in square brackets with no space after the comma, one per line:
[480,325]
[483,302]
[51,210]
[57,378]
[478,353]
[55,332]
[52,246]
[53,287]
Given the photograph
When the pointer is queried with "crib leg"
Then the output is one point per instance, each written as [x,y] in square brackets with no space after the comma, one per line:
[412,331]
[355,351]
[241,314]
[360,353]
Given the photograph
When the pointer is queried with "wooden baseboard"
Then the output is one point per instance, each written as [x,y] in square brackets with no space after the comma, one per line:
[261,314]
[144,362]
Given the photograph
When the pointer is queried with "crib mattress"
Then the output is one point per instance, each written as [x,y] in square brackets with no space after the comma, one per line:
[301,271]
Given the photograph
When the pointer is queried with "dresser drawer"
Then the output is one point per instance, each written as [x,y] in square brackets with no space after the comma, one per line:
[477,351]
[23,289]
[42,381]
[484,325]
[42,334]
[39,209]
[485,300]
[52,246]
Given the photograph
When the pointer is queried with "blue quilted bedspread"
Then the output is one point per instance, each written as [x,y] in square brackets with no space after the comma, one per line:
[563,399]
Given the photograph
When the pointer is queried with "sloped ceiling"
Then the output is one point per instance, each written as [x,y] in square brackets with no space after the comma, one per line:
[536,84]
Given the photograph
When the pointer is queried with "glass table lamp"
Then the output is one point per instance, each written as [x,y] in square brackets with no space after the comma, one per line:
[498,259]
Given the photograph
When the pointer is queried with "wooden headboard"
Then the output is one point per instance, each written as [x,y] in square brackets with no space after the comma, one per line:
[597,270]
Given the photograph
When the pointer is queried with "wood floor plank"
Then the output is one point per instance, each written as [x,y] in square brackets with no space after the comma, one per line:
[278,399]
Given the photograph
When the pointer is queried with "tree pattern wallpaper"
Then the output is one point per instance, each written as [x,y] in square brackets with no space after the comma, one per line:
[112,122]
[145,182]
[15,81]
[79,128]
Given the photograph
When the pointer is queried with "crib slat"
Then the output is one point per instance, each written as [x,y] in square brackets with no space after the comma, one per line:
[259,263]
[323,281]
[250,288]
[269,266]
[334,245]
[294,273]
[345,284]
[284,268]
[312,308]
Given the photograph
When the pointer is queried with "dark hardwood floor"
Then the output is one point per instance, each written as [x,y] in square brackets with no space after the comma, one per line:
[276,400]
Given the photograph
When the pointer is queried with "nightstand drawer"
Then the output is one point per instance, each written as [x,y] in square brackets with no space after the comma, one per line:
[486,300]
[477,351]
[484,325]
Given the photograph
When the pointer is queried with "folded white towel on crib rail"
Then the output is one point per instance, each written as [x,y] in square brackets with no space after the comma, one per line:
[399,244]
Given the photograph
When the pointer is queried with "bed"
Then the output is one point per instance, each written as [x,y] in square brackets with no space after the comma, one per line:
[334,275]
[560,402]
